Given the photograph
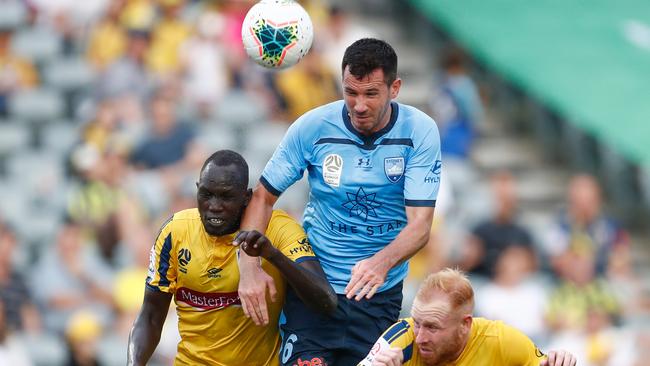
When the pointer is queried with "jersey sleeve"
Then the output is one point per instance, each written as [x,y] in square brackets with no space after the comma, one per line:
[517,349]
[399,335]
[161,275]
[288,236]
[288,162]
[423,169]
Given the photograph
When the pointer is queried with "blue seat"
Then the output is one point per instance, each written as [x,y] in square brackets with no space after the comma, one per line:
[68,74]
[37,105]
[59,137]
[13,136]
[13,14]
[38,44]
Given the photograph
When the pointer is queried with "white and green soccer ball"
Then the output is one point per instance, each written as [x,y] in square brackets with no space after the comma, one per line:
[277,33]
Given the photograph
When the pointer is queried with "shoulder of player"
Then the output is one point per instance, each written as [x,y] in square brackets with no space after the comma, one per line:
[496,329]
[402,328]
[180,221]
[315,118]
[280,218]
[415,118]
[487,327]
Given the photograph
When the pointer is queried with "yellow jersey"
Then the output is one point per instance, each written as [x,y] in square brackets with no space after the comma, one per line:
[490,343]
[202,273]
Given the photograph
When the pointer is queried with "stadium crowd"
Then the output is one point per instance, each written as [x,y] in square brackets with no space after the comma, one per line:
[108,109]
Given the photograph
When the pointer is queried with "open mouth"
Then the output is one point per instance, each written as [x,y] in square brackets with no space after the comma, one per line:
[215,221]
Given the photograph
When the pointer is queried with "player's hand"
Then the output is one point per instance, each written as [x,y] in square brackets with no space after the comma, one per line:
[254,243]
[559,358]
[253,284]
[367,276]
[388,357]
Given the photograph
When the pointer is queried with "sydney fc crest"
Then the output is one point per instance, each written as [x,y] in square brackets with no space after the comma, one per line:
[394,168]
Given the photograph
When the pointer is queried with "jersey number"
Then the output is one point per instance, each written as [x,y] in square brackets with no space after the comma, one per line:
[288,347]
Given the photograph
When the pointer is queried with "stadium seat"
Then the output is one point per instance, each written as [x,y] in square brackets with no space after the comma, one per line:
[12,203]
[13,14]
[13,136]
[45,349]
[239,110]
[266,137]
[37,105]
[213,136]
[110,351]
[37,44]
[59,137]
[38,176]
[68,74]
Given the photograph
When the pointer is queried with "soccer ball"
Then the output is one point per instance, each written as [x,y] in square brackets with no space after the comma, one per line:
[277,33]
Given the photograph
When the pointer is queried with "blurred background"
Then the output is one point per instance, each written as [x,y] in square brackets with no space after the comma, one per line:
[109,107]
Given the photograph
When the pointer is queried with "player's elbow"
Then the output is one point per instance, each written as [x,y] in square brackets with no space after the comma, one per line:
[329,304]
[423,237]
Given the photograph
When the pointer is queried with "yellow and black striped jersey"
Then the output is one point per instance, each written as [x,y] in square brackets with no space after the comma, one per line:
[490,343]
[202,273]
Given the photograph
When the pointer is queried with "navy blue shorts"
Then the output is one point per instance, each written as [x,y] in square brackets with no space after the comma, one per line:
[311,339]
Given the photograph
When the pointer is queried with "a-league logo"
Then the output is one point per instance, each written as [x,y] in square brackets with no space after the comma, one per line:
[332,168]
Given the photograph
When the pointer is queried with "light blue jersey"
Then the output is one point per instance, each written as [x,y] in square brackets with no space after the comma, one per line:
[359,184]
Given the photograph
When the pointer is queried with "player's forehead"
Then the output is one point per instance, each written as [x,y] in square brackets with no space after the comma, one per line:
[219,177]
[431,311]
[374,80]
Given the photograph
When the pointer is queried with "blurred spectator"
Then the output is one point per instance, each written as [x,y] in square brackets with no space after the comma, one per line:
[580,291]
[102,128]
[310,74]
[138,14]
[599,343]
[167,142]
[128,77]
[71,276]
[20,314]
[82,334]
[456,106]
[205,64]
[336,35]
[490,237]
[233,12]
[585,227]
[513,295]
[16,73]
[167,36]
[97,197]
[108,38]
[69,18]
[12,351]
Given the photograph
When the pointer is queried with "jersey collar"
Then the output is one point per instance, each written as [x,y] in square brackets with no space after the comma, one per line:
[370,139]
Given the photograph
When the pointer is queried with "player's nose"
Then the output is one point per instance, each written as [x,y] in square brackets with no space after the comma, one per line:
[360,104]
[215,205]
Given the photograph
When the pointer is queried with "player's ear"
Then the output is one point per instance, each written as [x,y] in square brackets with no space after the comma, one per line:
[467,323]
[394,88]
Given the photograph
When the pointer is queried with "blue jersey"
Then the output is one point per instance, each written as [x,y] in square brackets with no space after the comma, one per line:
[360,184]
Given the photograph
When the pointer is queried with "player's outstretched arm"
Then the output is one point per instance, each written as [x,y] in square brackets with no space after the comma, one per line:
[145,334]
[253,281]
[306,278]
[369,274]
[559,358]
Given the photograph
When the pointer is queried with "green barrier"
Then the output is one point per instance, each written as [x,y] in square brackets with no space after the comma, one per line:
[588,60]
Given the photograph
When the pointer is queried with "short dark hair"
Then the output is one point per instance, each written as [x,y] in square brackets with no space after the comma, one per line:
[368,54]
[227,158]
